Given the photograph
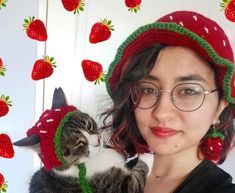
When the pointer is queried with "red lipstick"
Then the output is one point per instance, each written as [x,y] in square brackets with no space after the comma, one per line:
[163,131]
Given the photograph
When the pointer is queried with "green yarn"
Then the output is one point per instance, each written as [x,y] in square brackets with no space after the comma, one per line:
[180,30]
[83,180]
[58,136]
[215,133]
[82,168]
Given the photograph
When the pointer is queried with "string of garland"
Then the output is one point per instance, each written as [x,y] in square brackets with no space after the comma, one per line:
[83,180]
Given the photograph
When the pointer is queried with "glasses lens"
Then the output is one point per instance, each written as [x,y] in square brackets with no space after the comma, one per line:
[188,97]
[144,95]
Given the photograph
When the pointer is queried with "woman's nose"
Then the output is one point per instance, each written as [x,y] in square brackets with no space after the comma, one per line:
[164,109]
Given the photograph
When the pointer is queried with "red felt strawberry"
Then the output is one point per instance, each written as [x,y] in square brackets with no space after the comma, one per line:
[213,146]
[5,103]
[73,5]
[6,148]
[35,29]
[3,185]
[2,68]
[43,68]
[101,31]
[229,9]
[3,3]
[133,5]
[93,71]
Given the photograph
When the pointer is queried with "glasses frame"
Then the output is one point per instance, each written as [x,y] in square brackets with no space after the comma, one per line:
[205,92]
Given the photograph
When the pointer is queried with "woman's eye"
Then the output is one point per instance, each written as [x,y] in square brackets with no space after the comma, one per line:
[147,90]
[188,91]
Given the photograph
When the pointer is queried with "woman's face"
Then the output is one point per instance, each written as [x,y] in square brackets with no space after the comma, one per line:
[165,128]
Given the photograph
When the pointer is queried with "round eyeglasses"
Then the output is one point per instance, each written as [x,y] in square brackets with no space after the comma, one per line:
[185,97]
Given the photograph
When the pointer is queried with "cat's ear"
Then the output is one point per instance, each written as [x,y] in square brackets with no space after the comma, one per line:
[32,142]
[59,99]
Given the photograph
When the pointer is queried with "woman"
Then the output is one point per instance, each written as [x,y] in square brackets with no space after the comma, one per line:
[173,92]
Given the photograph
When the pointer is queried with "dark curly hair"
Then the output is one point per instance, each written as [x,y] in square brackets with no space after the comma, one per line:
[125,137]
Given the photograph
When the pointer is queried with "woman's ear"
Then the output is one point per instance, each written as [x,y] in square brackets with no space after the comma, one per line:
[222,105]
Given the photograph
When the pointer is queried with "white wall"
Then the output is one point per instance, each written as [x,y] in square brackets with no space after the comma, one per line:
[18,53]
[68,43]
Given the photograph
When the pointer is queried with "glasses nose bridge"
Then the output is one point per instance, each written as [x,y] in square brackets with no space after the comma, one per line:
[166,90]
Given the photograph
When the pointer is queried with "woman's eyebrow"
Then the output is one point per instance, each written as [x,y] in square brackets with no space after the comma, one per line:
[151,77]
[185,78]
[191,77]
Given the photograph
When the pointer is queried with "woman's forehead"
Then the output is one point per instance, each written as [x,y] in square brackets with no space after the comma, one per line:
[181,64]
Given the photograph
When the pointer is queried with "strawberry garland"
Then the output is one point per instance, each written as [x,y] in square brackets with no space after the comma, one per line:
[6,147]
[133,5]
[3,3]
[101,31]
[3,185]
[2,68]
[43,68]
[35,29]
[5,103]
[6,151]
[73,5]
[228,6]
[93,71]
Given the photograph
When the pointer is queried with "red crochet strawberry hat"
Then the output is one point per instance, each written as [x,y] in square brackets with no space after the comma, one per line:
[49,128]
[180,28]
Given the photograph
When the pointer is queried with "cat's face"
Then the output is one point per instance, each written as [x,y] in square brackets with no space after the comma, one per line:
[80,138]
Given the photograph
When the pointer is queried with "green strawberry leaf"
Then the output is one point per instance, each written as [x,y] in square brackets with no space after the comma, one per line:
[51,59]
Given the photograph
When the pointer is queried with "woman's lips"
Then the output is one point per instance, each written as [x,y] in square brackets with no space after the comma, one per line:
[163,131]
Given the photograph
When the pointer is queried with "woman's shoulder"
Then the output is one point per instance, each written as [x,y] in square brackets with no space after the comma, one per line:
[218,181]
[207,177]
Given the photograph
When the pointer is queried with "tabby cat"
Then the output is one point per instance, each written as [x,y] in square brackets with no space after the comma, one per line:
[106,170]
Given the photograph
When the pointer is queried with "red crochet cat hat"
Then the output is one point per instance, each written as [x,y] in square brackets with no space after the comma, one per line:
[180,28]
[49,128]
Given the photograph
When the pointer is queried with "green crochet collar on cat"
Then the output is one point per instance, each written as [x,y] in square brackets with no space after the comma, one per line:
[83,180]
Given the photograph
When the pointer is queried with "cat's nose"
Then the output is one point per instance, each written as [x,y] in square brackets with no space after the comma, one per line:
[98,141]
[95,140]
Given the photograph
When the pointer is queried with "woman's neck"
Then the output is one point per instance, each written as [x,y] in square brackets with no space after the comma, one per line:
[175,165]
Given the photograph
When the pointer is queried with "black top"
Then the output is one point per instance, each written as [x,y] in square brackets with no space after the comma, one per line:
[207,177]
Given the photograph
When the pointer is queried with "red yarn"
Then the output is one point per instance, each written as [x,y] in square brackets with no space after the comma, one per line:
[46,128]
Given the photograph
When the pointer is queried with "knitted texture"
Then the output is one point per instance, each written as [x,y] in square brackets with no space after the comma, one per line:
[180,28]
[49,128]
[83,180]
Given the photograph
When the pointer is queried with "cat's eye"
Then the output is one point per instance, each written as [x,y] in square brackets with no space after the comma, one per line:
[80,143]
[88,125]
[67,152]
